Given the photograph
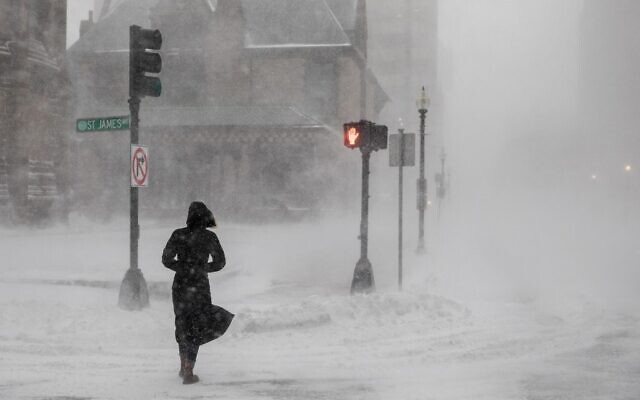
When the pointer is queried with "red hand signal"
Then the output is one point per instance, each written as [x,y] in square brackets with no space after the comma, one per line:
[352,136]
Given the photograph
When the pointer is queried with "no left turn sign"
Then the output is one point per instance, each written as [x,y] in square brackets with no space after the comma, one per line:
[139,166]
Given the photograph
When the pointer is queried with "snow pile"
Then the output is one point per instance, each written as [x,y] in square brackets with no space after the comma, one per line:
[274,319]
[373,311]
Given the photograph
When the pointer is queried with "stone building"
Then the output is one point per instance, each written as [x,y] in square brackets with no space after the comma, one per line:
[33,98]
[254,95]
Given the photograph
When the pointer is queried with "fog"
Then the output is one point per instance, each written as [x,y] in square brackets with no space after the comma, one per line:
[538,211]
[539,206]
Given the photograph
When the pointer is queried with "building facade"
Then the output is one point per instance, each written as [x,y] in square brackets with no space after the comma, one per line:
[254,96]
[34,92]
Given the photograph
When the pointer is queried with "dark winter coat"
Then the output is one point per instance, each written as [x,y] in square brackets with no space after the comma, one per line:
[187,253]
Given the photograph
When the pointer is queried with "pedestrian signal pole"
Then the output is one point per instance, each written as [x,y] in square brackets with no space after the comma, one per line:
[134,294]
[368,137]
[363,280]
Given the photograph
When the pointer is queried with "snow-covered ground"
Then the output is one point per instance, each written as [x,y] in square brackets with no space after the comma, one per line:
[298,334]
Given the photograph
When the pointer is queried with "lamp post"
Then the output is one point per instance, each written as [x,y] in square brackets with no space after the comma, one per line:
[423,105]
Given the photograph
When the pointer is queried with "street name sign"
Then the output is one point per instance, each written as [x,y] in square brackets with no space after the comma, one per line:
[409,153]
[100,124]
[139,166]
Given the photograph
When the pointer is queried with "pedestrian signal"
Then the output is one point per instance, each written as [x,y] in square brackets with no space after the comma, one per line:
[365,135]
[352,135]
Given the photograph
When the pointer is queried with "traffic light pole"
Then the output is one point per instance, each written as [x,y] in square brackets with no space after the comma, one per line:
[134,226]
[134,294]
[363,281]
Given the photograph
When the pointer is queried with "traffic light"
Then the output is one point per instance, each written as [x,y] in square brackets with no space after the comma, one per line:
[142,62]
[365,135]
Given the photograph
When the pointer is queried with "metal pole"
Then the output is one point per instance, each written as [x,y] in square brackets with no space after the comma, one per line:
[134,229]
[422,185]
[400,206]
[442,182]
[363,281]
[364,216]
[134,294]
[134,124]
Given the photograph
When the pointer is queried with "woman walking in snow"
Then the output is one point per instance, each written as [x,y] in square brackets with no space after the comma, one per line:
[187,253]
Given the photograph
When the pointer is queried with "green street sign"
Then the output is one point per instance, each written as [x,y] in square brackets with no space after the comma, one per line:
[102,124]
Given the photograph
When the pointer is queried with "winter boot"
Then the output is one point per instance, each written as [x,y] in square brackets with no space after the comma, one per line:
[189,377]
[183,360]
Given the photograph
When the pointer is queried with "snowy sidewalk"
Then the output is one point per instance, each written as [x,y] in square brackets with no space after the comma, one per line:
[72,342]
[297,335]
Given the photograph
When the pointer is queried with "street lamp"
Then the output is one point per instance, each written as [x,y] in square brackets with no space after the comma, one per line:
[423,104]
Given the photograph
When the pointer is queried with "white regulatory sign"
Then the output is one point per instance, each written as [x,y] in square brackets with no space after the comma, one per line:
[408,153]
[139,166]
